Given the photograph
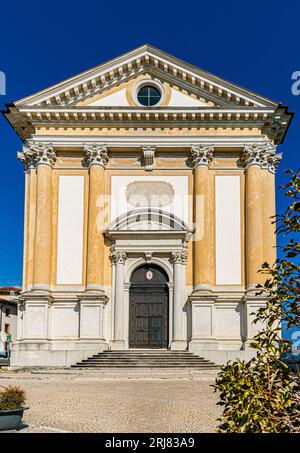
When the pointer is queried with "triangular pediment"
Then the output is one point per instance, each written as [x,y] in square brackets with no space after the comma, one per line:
[104,85]
[106,95]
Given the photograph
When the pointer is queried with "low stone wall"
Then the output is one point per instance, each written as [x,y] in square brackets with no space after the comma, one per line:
[222,357]
[48,354]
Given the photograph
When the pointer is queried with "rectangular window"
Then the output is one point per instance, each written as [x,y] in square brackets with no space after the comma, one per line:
[7,328]
[7,312]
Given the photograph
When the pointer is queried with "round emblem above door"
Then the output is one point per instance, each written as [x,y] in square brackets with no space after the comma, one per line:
[149,275]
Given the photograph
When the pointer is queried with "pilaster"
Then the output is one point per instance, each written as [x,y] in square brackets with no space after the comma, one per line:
[260,164]
[118,259]
[203,245]
[97,158]
[42,157]
[179,339]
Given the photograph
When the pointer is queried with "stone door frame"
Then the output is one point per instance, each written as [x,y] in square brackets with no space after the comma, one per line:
[133,248]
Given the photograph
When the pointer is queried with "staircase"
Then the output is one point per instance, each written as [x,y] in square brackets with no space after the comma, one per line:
[146,358]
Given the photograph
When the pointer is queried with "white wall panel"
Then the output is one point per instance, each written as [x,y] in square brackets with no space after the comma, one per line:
[228,230]
[65,321]
[117,99]
[179,205]
[179,99]
[70,229]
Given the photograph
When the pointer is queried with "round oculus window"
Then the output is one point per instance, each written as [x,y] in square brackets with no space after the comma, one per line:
[148,95]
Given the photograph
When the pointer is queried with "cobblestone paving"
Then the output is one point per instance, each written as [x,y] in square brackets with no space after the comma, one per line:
[87,403]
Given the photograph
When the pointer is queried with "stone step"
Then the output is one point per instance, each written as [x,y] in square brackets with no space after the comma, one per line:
[144,358]
[160,366]
[136,359]
[189,359]
[147,351]
[146,364]
[165,356]
[188,362]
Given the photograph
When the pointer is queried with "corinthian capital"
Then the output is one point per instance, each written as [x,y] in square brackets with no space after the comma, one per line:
[27,157]
[272,159]
[117,256]
[96,154]
[179,257]
[262,154]
[201,155]
[34,154]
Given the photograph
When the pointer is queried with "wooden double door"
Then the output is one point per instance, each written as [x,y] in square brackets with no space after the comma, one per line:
[148,308]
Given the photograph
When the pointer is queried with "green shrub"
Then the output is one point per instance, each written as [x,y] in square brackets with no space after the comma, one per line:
[263,394]
[12,397]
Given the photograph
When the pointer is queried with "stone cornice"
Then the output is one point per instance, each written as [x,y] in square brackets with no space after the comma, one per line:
[34,154]
[96,154]
[201,155]
[263,155]
[272,122]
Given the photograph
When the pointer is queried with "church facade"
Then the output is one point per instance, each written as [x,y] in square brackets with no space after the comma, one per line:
[149,187]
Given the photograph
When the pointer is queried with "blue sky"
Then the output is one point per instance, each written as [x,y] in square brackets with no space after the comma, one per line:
[255,44]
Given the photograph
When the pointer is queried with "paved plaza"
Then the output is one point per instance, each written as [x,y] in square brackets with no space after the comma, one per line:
[62,401]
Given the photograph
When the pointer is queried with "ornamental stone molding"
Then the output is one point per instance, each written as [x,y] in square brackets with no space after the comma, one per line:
[201,155]
[179,257]
[117,256]
[148,256]
[149,153]
[263,154]
[96,155]
[34,154]
[272,159]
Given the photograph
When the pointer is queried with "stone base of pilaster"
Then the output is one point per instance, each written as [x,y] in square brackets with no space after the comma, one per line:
[94,289]
[178,345]
[253,302]
[117,345]
[202,289]
[203,344]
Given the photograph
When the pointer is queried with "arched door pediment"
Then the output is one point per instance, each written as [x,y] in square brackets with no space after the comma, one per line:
[148,219]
